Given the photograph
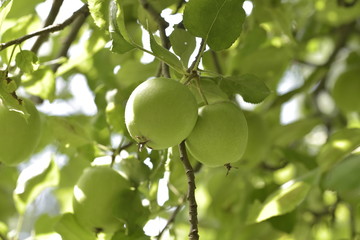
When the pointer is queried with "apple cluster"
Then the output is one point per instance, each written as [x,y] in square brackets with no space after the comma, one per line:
[162,112]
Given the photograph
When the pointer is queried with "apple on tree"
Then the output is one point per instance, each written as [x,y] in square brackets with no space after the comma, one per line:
[97,194]
[160,113]
[220,134]
[19,137]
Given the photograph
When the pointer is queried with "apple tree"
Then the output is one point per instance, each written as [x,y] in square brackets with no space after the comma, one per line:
[179,119]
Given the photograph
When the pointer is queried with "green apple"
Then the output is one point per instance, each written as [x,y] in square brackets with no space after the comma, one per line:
[209,89]
[19,137]
[220,134]
[160,113]
[346,91]
[96,197]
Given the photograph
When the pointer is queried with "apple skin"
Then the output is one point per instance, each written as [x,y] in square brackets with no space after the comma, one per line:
[96,197]
[19,137]
[346,91]
[220,134]
[160,113]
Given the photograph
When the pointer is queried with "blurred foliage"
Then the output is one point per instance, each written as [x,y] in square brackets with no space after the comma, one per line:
[292,65]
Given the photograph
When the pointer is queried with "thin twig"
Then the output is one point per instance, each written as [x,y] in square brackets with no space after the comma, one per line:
[54,11]
[319,75]
[172,218]
[84,10]
[194,232]
[344,33]
[162,25]
[196,62]
[70,38]
[117,151]
[170,221]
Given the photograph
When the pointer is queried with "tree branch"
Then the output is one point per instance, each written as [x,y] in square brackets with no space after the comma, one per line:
[320,73]
[78,22]
[196,62]
[193,235]
[162,25]
[170,221]
[117,151]
[55,8]
[194,232]
[84,10]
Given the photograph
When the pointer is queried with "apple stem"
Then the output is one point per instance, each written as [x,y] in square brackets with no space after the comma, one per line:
[193,235]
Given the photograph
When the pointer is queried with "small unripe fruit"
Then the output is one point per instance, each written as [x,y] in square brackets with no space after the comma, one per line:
[220,134]
[18,137]
[160,113]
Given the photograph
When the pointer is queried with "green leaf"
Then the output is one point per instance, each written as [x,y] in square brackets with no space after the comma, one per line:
[8,96]
[99,10]
[5,7]
[344,178]
[249,86]
[283,200]
[44,226]
[266,62]
[115,116]
[183,44]
[219,22]
[161,5]
[165,55]
[120,19]
[285,223]
[339,145]
[22,8]
[135,72]
[146,20]
[299,157]
[119,44]
[26,61]
[70,229]
[137,234]
[285,135]
[85,51]
[40,83]
[134,170]
[26,192]
[70,131]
